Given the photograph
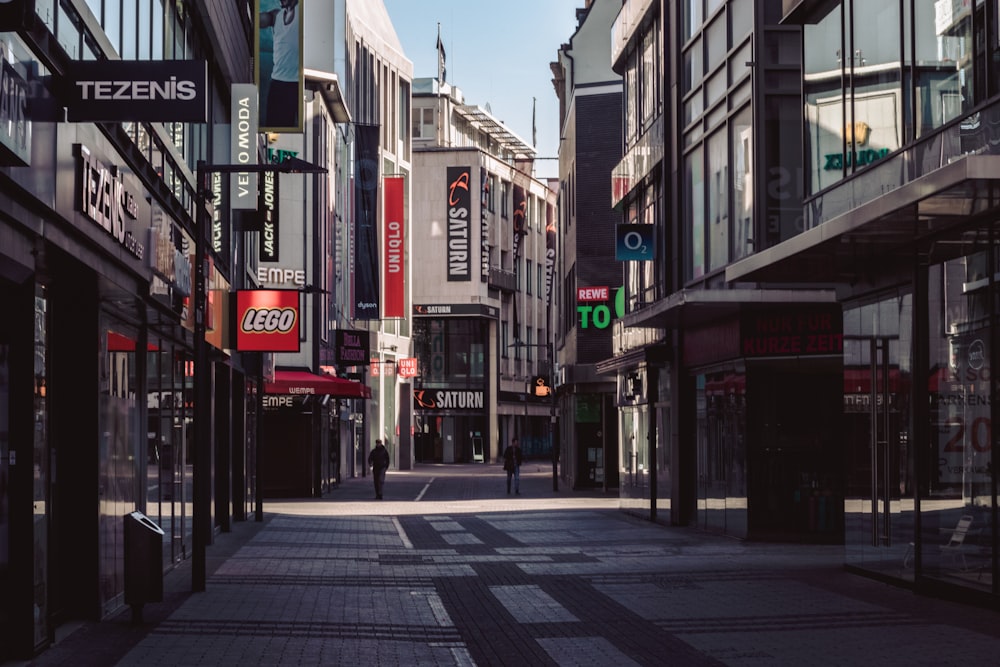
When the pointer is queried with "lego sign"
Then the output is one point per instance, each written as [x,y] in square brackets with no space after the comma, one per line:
[268,321]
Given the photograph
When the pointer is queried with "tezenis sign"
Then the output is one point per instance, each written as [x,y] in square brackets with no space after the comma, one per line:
[154,91]
[104,200]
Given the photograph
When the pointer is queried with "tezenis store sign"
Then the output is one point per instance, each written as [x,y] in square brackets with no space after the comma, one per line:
[151,91]
[104,200]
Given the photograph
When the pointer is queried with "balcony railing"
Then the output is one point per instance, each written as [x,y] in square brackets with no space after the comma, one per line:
[505,281]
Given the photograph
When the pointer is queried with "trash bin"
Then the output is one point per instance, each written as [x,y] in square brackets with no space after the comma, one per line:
[143,562]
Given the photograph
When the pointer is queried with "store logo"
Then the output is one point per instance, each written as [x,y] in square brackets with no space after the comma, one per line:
[459,212]
[448,400]
[268,320]
[103,198]
[857,133]
[171,89]
[142,91]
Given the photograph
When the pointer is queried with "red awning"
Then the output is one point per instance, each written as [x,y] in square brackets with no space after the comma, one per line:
[302,382]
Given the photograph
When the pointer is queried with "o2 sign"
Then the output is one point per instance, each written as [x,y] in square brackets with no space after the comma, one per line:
[634,243]
[598,315]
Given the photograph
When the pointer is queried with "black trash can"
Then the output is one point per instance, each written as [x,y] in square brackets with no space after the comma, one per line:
[143,562]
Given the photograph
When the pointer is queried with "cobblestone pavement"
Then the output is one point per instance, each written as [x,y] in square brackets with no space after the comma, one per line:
[450,570]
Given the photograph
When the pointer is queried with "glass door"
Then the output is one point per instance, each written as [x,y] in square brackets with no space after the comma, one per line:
[879,503]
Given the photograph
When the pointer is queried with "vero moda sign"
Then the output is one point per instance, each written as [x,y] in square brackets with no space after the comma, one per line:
[155,91]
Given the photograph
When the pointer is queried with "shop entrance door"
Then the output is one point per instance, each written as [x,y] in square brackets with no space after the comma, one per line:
[879,508]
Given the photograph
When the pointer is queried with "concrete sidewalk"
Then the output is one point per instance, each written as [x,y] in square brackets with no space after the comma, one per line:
[450,570]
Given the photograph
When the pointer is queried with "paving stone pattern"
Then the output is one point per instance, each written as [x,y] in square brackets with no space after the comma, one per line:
[467,575]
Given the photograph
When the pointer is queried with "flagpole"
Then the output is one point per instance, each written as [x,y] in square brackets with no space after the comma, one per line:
[439,55]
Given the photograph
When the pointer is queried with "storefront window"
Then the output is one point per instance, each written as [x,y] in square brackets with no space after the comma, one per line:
[959,456]
[118,466]
[41,468]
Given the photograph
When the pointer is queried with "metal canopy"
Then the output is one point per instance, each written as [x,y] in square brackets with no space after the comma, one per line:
[695,307]
[481,119]
[880,236]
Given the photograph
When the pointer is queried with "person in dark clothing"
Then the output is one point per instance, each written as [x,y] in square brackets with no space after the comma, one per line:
[379,461]
[512,464]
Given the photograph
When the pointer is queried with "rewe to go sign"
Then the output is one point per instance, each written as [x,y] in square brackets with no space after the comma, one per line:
[594,304]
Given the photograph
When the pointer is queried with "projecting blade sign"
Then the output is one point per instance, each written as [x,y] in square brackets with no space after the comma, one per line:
[154,91]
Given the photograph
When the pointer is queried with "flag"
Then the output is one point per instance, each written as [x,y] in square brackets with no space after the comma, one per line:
[442,72]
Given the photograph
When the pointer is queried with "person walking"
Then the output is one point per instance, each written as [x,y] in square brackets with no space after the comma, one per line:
[512,464]
[378,459]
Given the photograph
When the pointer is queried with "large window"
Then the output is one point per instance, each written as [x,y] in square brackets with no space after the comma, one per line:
[717,206]
[450,351]
[423,123]
[741,139]
[694,213]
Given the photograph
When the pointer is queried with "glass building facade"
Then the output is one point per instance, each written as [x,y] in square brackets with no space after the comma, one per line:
[900,105]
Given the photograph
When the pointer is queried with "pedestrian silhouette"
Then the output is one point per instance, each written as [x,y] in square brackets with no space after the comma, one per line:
[512,464]
[378,459]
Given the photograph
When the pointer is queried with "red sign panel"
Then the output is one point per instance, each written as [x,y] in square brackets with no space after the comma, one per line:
[268,320]
[593,293]
[407,367]
[394,247]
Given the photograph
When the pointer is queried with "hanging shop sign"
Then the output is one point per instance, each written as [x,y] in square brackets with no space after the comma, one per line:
[15,128]
[153,91]
[408,367]
[351,348]
[268,207]
[268,320]
[365,275]
[105,199]
[444,399]
[243,145]
[379,368]
[596,306]
[459,212]
[395,275]
[634,243]
[485,197]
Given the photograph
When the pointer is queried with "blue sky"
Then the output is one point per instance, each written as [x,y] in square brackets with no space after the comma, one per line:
[497,53]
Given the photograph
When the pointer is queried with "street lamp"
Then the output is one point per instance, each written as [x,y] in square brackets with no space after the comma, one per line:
[202,454]
[552,406]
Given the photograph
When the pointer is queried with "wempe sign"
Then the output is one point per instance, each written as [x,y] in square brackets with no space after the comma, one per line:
[129,90]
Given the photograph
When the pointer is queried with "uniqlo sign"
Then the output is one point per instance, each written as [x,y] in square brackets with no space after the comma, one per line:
[268,320]
[407,367]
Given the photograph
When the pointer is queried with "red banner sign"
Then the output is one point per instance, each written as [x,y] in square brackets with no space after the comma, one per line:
[394,247]
[407,367]
[268,321]
[601,293]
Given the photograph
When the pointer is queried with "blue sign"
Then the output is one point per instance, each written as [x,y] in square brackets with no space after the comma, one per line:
[634,243]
